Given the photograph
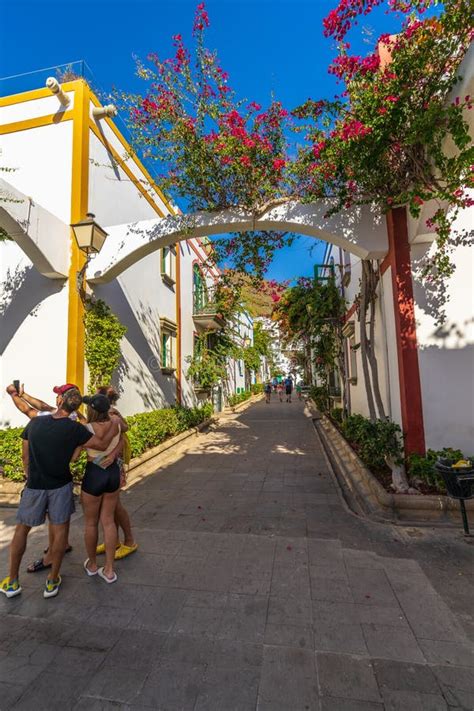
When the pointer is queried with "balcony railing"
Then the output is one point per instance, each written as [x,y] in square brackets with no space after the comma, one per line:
[205,310]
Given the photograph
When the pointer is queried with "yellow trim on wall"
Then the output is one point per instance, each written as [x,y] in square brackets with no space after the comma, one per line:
[96,131]
[35,94]
[36,122]
[133,156]
[79,207]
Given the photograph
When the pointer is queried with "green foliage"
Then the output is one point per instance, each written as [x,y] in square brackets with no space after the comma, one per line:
[422,467]
[103,333]
[10,453]
[337,414]
[237,398]
[146,430]
[312,312]
[374,441]
[252,355]
[319,394]
[207,366]
[256,388]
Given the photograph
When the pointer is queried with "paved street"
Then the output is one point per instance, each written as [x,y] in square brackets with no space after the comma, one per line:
[254,588]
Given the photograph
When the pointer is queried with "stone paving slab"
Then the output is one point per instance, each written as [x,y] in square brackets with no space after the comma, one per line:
[254,588]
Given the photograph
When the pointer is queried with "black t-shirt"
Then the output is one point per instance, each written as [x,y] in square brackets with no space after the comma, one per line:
[51,444]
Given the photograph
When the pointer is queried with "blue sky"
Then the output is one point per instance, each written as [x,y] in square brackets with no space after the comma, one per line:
[267,46]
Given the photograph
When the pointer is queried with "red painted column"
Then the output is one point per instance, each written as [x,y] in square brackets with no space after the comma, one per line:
[405,331]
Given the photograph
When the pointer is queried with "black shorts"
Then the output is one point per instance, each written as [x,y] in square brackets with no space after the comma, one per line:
[98,481]
[289,391]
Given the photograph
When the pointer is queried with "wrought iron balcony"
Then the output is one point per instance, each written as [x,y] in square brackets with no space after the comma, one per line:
[205,312]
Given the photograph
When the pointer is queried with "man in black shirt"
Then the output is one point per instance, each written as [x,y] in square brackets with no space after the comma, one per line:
[48,446]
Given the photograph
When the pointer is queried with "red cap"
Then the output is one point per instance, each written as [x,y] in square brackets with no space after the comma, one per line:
[61,389]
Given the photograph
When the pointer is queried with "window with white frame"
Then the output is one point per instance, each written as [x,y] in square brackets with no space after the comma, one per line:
[168,264]
[168,345]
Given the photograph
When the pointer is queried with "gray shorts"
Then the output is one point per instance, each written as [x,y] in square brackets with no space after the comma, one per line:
[36,503]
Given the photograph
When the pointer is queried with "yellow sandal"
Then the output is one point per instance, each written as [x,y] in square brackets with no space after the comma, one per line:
[123,551]
[101,548]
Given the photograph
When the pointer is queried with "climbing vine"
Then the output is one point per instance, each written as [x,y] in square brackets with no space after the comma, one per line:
[310,316]
[103,333]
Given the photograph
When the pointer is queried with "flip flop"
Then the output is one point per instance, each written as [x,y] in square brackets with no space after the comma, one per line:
[123,551]
[90,573]
[37,566]
[102,575]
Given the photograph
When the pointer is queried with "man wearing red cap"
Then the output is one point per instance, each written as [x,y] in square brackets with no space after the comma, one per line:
[34,407]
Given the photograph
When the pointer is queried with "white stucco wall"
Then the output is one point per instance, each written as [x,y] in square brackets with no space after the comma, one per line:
[113,197]
[41,159]
[33,331]
[446,352]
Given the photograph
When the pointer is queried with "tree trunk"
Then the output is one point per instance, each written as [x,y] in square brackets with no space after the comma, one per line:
[399,477]
[373,362]
[363,342]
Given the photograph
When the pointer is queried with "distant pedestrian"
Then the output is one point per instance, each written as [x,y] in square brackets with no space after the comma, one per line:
[268,392]
[288,387]
[280,391]
[299,390]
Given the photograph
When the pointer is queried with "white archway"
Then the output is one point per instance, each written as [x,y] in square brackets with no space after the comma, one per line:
[360,231]
[42,236]
[45,239]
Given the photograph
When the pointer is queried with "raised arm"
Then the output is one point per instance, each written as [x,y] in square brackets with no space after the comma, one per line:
[21,404]
[101,441]
[36,402]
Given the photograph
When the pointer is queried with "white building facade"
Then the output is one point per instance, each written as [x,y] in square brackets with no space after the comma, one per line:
[64,159]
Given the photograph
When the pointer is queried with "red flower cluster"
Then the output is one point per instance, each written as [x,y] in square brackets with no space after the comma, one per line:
[279,163]
[318,147]
[201,19]
[346,67]
[339,21]
[352,129]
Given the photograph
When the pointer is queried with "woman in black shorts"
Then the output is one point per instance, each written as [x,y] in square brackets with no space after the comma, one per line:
[101,488]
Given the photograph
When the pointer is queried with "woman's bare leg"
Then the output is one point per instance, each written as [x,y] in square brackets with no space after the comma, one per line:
[91,506]
[107,520]
[122,520]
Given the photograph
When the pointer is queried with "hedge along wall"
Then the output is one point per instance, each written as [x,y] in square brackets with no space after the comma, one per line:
[146,430]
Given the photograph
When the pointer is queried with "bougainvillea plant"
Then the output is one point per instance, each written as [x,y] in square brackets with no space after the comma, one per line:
[392,137]
[215,150]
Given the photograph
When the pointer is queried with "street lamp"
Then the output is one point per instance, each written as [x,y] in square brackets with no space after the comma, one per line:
[90,236]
